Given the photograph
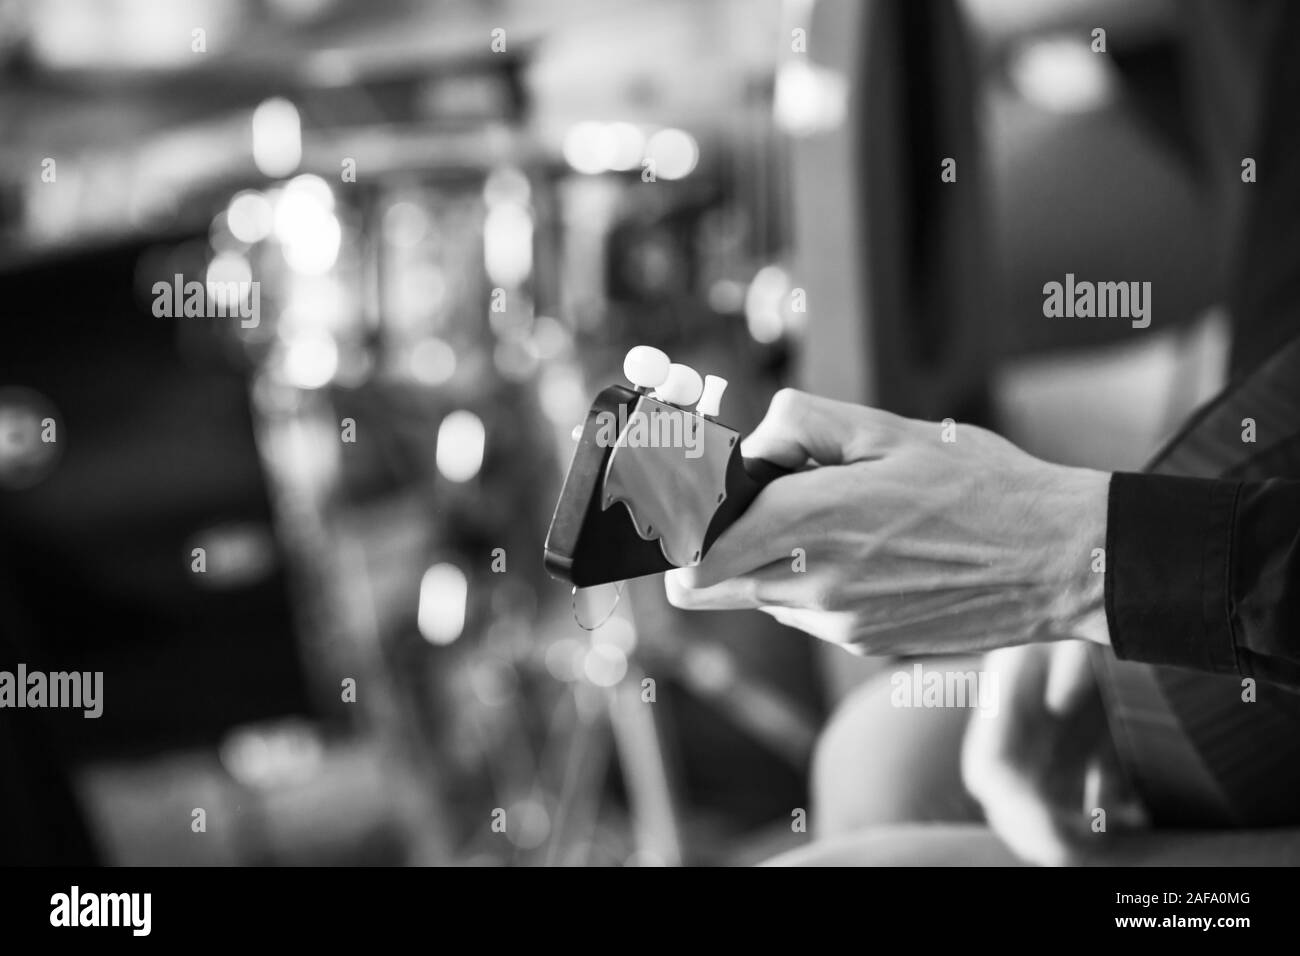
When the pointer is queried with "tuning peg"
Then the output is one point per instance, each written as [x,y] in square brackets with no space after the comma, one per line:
[646,367]
[682,387]
[711,399]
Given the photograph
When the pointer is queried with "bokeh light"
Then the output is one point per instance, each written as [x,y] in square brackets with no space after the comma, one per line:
[444,592]
[461,438]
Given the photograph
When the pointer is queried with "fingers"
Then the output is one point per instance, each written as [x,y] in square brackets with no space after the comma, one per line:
[766,533]
[1026,822]
[790,599]
[799,427]
[1023,672]
[1006,791]
[992,747]
[1070,678]
[1011,763]
[794,600]
[834,627]
[773,583]
[997,763]
[733,594]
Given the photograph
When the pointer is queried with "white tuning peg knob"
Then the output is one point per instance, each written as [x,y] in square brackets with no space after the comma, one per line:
[645,366]
[711,400]
[682,387]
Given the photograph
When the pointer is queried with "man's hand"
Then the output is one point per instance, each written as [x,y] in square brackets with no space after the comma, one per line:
[1042,765]
[900,541]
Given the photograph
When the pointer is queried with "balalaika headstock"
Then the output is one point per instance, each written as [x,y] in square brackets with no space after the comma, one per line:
[653,482]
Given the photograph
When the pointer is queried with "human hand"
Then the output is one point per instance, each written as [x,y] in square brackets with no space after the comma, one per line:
[1041,764]
[902,542]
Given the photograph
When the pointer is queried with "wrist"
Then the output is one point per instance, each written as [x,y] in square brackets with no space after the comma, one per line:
[1080,610]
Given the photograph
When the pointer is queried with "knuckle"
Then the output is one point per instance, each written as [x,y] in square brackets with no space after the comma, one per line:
[789,402]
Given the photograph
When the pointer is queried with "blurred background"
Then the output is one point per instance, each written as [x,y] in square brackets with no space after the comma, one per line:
[305,550]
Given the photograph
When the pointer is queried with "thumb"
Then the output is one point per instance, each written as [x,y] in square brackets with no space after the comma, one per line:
[799,427]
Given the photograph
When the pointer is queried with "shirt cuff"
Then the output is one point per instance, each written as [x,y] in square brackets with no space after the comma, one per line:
[1168,546]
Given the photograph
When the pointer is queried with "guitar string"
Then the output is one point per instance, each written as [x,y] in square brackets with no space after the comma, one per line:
[573,603]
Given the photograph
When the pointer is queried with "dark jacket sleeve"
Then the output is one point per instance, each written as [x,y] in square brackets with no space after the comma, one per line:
[1205,573]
